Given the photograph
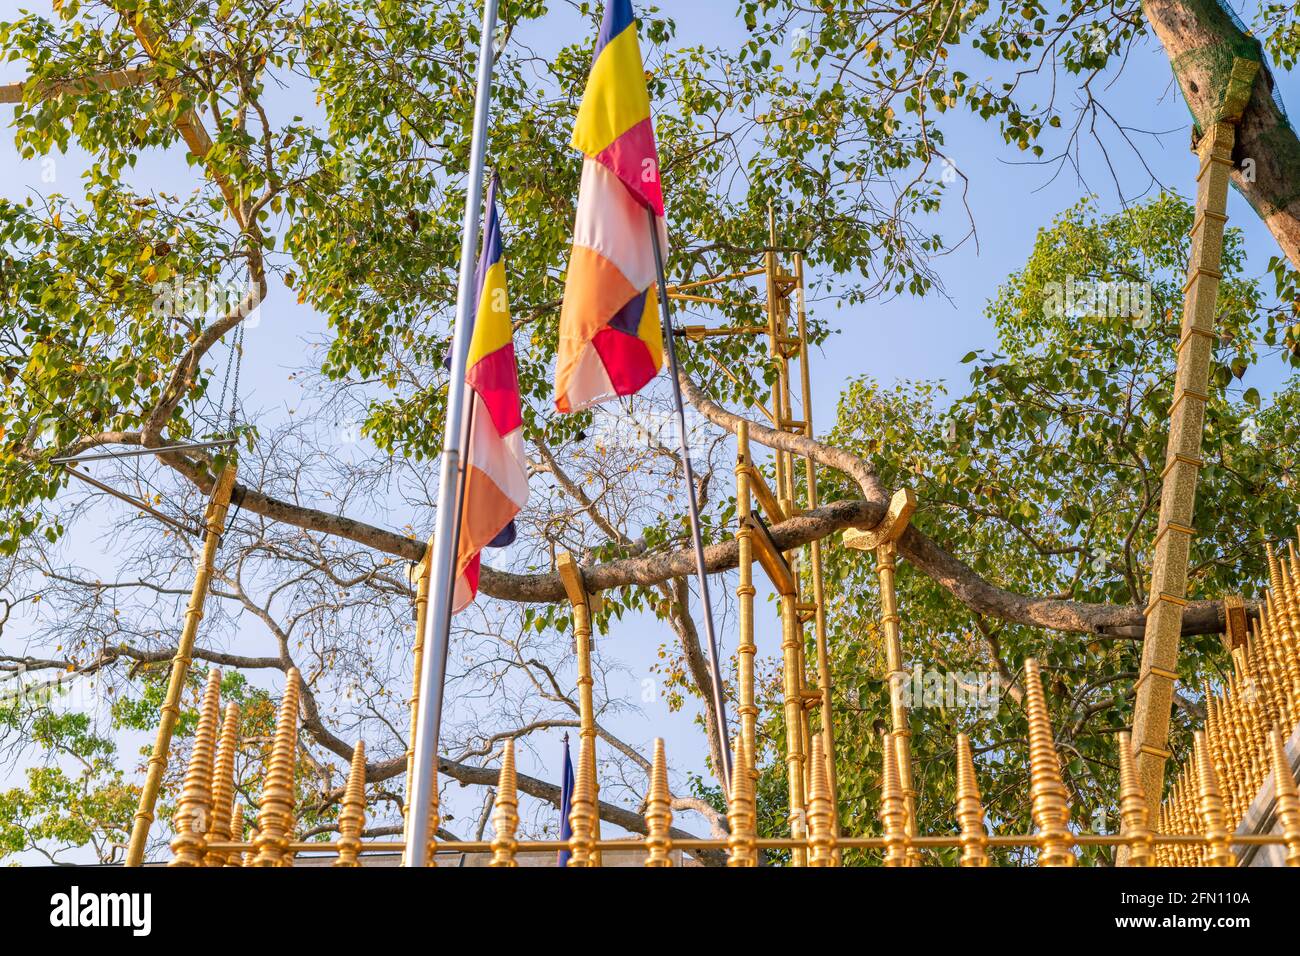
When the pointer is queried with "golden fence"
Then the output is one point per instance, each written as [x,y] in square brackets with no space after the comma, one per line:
[1194,829]
[1247,724]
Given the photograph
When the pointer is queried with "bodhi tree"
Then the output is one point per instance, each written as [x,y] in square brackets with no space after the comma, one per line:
[322,145]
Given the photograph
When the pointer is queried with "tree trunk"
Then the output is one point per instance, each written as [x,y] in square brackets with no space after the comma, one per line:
[1201,39]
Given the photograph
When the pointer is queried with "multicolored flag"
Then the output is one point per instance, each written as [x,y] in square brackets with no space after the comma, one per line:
[611,342]
[495,488]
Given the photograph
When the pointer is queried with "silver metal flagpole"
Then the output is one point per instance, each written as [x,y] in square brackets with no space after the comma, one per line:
[443,570]
[670,346]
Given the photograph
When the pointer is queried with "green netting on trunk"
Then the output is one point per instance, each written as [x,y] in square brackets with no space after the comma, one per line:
[1213,64]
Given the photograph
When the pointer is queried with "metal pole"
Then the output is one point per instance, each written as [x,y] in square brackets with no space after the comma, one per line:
[670,346]
[443,570]
[171,708]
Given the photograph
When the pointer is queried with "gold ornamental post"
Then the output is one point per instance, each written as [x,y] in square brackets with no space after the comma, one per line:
[746,648]
[883,540]
[214,521]
[583,604]
[1168,592]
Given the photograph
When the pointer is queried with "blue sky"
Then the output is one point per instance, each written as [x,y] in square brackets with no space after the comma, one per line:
[901,338]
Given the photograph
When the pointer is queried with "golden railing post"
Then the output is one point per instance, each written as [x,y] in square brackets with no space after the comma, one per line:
[824,676]
[742,850]
[882,541]
[1159,667]
[659,812]
[1050,799]
[821,835]
[792,700]
[1132,806]
[214,522]
[233,858]
[582,810]
[893,813]
[275,809]
[581,601]
[970,811]
[745,591]
[352,814]
[1288,627]
[223,785]
[505,815]
[1211,807]
[422,576]
[193,814]
[1288,799]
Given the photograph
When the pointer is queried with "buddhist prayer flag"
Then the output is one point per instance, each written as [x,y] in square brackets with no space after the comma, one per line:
[496,471]
[566,803]
[611,342]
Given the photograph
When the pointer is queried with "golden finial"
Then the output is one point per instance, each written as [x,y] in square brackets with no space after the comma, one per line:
[1238,744]
[1050,799]
[1218,749]
[1288,602]
[1274,567]
[659,811]
[250,855]
[1285,645]
[970,811]
[352,814]
[275,810]
[1268,712]
[234,857]
[193,814]
[1132,806]
[821,838]
[740,812]
[893,811]
[1277,676]
[583,810]
[1161,827]
[1288,799]
[505,815]
[1211,807]
[223,784]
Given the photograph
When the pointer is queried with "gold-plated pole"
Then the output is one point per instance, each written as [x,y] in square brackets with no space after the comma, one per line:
[505,814]
[232,858]
[970,810]
[1211,807]
[742,848]
[824,677]
[1050,799]
[1132,806]
[582,813]
[581,601]
[745,591]
[223,785]
[792,687]
[892,811]
[275,810]
[352,815]
[900,724]
[1168,593]
[214,522]
[659,812]
[1288,799]
[194,809]
[423,576]
[821,836]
